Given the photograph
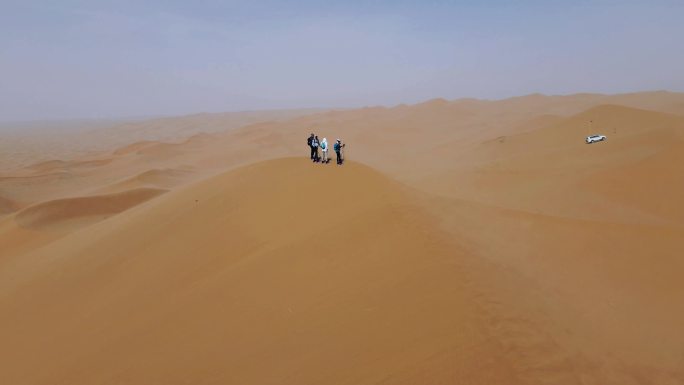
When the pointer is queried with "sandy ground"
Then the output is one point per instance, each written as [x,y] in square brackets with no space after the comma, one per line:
[467,242]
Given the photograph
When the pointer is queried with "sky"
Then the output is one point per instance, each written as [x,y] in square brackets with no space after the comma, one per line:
[91,59]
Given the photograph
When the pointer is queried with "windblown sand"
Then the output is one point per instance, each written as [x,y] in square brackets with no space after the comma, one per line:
[463,242]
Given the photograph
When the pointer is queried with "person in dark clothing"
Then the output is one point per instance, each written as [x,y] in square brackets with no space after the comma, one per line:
[315,143]
[309,142]
[338,151]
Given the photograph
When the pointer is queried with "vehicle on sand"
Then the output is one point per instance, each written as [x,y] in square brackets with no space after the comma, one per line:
[595,138]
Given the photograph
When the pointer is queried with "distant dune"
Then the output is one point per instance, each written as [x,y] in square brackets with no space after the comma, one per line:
[155,178]
[135,147]
[92,208]
[465,241]
[32,142]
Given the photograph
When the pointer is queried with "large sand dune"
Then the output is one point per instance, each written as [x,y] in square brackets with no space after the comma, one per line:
[468,241]
[251,270]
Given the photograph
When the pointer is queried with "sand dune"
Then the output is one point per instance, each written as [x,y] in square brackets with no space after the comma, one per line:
[602,291]
[447,131]
[466,241]
[301,282]
[48,166]
[33,142]
[551,170]
[60,165]
[134,147]
[71,211]
[612,120]
[163,149]
[651,184]
[155,178]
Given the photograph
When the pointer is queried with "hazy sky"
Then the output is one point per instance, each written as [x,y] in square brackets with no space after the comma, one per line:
[102,59]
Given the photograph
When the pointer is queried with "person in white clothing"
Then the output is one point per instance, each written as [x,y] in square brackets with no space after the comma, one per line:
[324,149]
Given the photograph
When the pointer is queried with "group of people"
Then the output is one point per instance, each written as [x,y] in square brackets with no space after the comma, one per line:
[315,145]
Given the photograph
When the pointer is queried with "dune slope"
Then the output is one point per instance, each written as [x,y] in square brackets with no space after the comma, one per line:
[279,272]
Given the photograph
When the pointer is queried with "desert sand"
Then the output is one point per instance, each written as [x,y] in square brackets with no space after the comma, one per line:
[462,242]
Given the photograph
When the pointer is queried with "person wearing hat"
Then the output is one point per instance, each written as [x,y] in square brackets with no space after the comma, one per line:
[338,151]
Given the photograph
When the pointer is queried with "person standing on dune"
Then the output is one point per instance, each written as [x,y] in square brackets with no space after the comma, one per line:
[324,149]
[315,144]
[338,151]
[309,142]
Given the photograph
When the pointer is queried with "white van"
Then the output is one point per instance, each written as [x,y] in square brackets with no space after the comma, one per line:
[595,138]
